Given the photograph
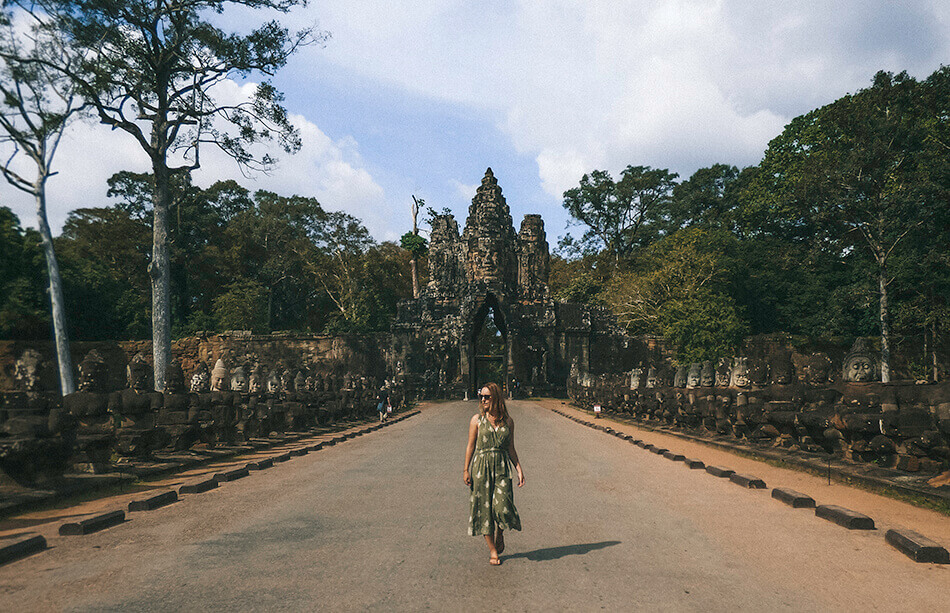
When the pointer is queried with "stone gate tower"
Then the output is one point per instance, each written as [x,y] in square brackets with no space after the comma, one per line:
[489,269]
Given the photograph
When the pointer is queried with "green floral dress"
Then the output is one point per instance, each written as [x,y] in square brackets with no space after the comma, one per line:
[493,504]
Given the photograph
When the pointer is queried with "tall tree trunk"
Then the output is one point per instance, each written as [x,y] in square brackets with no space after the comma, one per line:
[885,329]
[159,273]
[60,335]
[415,278]
[933,351]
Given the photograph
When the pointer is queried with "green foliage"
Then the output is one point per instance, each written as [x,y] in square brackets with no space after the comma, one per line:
[414,244]
[620,215]
[242,307]
[704,325]
[23,308]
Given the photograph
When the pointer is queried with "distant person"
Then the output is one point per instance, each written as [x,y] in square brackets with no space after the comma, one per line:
[382,404]
[490,450]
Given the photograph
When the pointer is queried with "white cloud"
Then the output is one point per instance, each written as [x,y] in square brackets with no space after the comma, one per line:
[584,84]
[330,170]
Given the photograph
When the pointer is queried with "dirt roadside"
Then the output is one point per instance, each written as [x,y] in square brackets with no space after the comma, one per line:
[887,512]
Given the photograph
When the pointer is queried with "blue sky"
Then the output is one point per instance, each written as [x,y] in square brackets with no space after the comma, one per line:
[419,98]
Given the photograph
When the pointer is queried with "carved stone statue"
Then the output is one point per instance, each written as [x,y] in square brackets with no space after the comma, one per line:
[679,379]
[859,364]
[27,370]
[651,377]
[723,372]
[95,432]
[257,381]
[817,369]
[707,377]
[201,378]
[740,373]
[239,382]
[694,377]
[136,412]
[635,376]
[220,376]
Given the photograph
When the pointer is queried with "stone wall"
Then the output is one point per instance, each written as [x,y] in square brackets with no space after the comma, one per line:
[812,401]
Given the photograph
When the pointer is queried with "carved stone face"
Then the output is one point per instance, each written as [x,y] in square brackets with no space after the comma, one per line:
[300,381]
[635,375]
[201,378]
[707,378]
[740,373]
[287,380]
[174,378]
[220,376]
[679,379]
[27,371]
[723,372]
[239,381]
[651,377]
[138,373]
[256,383]
[816,369]
[92,372]
[273,383]
[693,377]
[859,369]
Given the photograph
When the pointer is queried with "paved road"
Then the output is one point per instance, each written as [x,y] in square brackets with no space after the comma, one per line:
[379,524]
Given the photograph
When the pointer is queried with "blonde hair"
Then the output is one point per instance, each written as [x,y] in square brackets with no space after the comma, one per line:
[496,405]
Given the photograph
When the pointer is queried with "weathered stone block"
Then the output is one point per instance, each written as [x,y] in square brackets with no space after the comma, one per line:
[154,501]
[92,524]
[851,520]
[198,487]
[20,547]
[794,499]
[917,547]
[717,471]
[694,464]
[748,481]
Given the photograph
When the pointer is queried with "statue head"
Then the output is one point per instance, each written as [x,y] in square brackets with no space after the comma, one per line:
[817,369]
[174,378]
[859,364]
[740,373]
[707,377]
[693,377]
[239,381]
[287,380]
[679,379]
[256,382]
[138,370]
[651,377]
[220,376]
[758,373]
[92,373]
[27,373]
[635,376]
[273,382]
[300,381]
[201,378]
[723,372]
[781,369]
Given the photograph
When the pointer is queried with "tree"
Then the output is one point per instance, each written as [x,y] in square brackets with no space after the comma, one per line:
[153,70]
[414,244]
[618,213]
[37,104]
[21,296]
[862,172]
[707,199]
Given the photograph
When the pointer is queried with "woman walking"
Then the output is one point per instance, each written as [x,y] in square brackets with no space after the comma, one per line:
[490,450]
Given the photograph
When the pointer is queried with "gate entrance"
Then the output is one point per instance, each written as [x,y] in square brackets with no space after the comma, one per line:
[490,347]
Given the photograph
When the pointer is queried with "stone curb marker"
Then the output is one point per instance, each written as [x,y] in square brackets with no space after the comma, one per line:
[21,547]
[917,547]
[794,499]
[198,486]
[852,520]
[747,481]
[92,524]
[154,501]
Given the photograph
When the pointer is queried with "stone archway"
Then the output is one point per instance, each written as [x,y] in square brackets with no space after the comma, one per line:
[489,346]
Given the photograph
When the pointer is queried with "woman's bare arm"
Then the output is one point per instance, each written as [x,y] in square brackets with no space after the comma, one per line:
[470,449]
[514,454]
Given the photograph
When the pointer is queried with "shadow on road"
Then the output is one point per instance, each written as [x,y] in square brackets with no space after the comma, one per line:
[554,553]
